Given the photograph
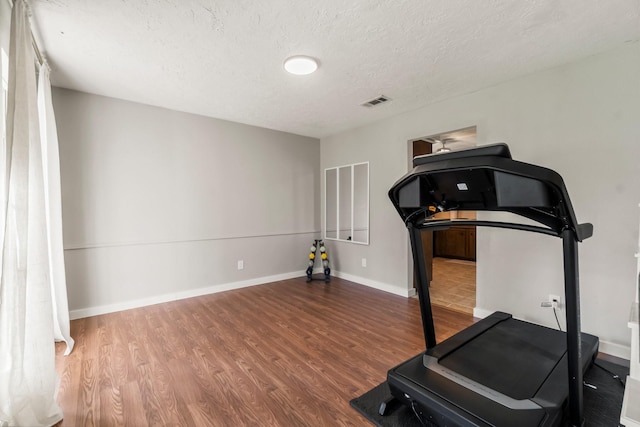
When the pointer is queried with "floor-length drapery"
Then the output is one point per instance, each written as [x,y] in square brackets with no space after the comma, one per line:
[28,380]
[53,205]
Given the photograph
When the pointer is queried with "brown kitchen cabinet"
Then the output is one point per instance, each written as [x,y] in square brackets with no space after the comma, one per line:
[456,242]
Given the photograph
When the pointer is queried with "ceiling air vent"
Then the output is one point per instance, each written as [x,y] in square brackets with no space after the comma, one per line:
[376,101]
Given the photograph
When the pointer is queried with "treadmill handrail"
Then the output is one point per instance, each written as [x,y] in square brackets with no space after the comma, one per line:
[546,200]
[445,224]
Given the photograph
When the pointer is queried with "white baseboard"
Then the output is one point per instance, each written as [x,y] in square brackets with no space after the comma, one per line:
[481,313]
[159,299]
[607,347]
[621,351]
[375,284]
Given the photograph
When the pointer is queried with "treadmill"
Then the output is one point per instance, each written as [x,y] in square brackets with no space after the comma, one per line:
[500,371]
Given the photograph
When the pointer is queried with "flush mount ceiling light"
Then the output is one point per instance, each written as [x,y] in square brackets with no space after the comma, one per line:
[300,65]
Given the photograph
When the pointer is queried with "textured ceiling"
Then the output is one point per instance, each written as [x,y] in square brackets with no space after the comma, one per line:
[224,58]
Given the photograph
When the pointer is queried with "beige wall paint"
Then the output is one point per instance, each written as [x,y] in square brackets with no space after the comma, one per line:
[581,120]
[159,203]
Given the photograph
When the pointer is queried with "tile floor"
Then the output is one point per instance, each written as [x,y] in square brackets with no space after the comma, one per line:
[454,284]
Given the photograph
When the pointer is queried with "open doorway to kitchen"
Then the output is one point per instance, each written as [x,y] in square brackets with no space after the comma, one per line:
[450,255]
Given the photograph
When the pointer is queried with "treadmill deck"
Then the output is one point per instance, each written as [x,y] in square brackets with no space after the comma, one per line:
[500,371]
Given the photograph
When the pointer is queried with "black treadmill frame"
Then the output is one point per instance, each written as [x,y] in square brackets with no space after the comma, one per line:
[418,196]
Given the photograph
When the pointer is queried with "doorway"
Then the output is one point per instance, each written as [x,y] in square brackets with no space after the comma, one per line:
[450,255]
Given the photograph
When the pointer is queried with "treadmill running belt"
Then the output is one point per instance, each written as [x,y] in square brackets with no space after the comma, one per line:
[514,357]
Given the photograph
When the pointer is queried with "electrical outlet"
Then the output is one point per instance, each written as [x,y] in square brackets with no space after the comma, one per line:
[555,301]
[364,262]
[240,264]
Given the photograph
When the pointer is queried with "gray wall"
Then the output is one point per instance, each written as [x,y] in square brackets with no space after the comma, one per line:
[159,204]
[581,120]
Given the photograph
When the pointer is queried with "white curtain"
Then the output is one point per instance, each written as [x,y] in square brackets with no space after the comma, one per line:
[28,380]
[53,205]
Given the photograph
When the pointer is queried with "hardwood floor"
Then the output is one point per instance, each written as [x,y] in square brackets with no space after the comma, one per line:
[283,354]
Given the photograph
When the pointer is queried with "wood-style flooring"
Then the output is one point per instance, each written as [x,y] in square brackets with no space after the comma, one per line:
[288,353]
[454,284]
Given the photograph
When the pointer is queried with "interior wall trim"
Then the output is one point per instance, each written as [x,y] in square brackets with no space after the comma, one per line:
[76,247]
[404,292]
[175,296]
